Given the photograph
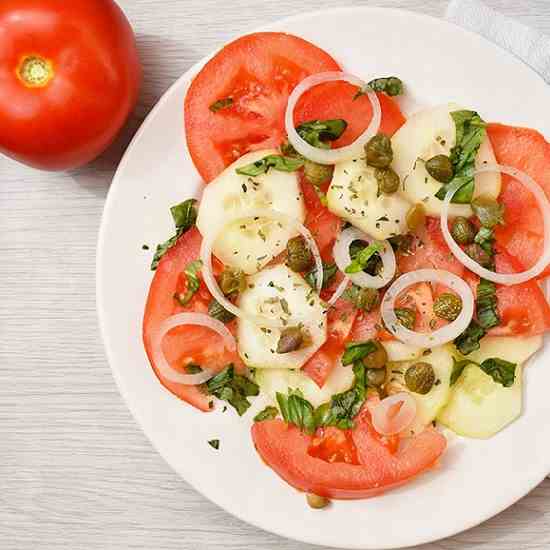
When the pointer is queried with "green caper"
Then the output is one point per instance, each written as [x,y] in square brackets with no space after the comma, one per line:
[375,377]
[378,151]
[317,174]
[482,257]
[447,306]
[406,317]
[291,339]
[416,217]
[440,168]
[317,502]
[420,378]
[299,256]
[463,231]
[232,280]
[378,358]
[217,311]
[488,211]
[388,180]
[366,299]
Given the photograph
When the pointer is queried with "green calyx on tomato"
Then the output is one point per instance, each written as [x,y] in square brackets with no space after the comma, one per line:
[35,71]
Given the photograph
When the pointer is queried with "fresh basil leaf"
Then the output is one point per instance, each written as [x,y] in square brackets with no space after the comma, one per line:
[468,341]
[329,272]
[297,410]
[360,262]
[185,216]
[214,443]
[486,305]
[277,162]
[191,368]
[191,273]
[233,388]
[503,372]
[458,368]
[318,132]
[485,238]
[470,133]
[221,104]
[355,351]
[390,85]
[269,413]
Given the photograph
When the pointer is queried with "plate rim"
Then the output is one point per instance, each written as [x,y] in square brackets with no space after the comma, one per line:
[533,481]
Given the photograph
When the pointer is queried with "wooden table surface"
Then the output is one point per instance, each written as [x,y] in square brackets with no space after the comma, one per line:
[75,470]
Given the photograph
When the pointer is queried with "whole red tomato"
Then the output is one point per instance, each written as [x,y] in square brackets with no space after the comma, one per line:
[69,77]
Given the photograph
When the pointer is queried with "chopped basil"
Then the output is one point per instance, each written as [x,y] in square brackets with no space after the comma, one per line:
[185,216]
[297,410]
[191,273]
[191,368]
[485,238]
[221,104]
[355,351]
[468,341]
[145,247]
[360,262]
[214,443]
[470,133]
[318,132]
[390,85]
[233,388]
[277,162]
[329,272]
[486,305]
[269,413]
[218,312]
[501,371]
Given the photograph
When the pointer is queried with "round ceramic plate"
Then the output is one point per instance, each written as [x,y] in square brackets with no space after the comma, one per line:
[476,479]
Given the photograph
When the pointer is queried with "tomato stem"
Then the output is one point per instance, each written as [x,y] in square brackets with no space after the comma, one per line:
[35,71]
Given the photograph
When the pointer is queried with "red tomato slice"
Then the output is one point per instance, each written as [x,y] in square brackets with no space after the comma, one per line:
[258,72]
[294,457]
[527,150]
[184,344]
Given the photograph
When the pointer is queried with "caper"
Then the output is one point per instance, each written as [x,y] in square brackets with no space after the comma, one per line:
[447,306]
[406,317]
[416,217]
[388,180]
[375,377]
[366,299]
[482,257]
[378,358]
[299,256]
[217,311]
[232,280]
[440,168]
[463,231]
[420,378]
[488,211]
[317,502]
[291,339]
[379,152]
[317,174]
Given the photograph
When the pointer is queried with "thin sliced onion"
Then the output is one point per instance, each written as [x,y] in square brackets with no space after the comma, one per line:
[339,291]
[212,284]
[446,333]
[200,319]
[331,156]
[462,257]
[389,421]
[343,259]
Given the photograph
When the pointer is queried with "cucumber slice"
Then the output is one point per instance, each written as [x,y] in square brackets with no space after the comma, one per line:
[398,351]
[480,407]
[512,348]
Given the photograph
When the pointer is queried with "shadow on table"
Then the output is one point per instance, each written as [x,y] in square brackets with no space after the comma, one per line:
[163,61]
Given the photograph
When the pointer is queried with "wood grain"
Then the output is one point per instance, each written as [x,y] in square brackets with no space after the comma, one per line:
[75,471]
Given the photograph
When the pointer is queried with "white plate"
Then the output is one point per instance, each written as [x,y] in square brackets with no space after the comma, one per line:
[477,479]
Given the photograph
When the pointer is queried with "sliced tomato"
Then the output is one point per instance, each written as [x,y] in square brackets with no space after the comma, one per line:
[334,445]
[295,457]
[185,344]
[527,150]
[257,72]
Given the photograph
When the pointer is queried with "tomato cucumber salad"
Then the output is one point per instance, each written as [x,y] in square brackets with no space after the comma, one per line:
[354,283]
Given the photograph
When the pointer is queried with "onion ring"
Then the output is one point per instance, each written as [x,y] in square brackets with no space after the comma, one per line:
[387,424]
[200,319]
[340,289]
[446,333]
[212,284]
[343,259]
[331,156]
[501,278]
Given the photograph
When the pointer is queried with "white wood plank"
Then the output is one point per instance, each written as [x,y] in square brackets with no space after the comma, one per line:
[75,471]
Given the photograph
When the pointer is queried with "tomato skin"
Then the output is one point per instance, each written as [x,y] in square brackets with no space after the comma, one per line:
[78,113]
